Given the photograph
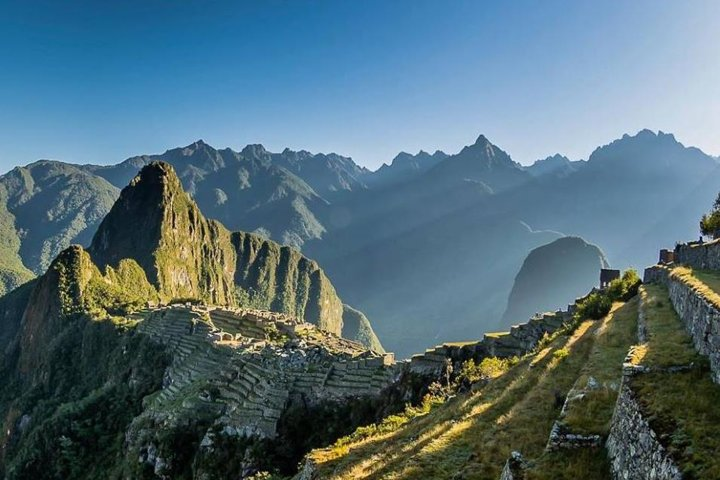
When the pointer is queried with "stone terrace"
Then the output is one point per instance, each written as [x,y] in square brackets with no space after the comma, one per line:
[244,364]
[520,340]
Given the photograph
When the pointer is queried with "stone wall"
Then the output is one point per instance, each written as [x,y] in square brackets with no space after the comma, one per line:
[700,317]
[520,340]
[633,446]
[699,255]
[514,468]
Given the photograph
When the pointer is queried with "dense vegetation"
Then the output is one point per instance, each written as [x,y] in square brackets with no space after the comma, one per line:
[710,222]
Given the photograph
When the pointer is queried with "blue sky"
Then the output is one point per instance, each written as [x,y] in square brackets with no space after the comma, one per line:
[101,81]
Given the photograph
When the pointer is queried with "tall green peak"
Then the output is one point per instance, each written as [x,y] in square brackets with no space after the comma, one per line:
[185,256]
[158,225]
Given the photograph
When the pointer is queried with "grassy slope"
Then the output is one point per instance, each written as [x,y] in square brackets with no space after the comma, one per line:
[593,415]
[615,334]
[682,407]
[473,434]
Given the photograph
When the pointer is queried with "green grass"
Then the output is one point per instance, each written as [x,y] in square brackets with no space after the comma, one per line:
[711,278]
[681,407]
[496,334]
[668,344]
[617,331]
[683,411]
[584,463]
[473,434]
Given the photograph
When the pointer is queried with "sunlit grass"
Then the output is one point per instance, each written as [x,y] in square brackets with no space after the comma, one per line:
[681,407]
[473,434]
[616,332]
[705,282]
[668,343]
[683,411]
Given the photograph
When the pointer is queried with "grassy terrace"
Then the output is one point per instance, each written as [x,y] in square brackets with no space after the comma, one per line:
[668,343]
[473,434]
[682,407]
[614,336]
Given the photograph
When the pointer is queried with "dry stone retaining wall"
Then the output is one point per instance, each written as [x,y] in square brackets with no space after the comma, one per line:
[699,255]
[520,340]
[633,446]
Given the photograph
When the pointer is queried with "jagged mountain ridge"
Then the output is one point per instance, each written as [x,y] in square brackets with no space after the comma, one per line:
[404,167]
[251,190]
[558,165]
[666,183]
[44,207]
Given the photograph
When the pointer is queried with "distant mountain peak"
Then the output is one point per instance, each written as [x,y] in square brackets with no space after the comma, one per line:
[484,151]
[482,140]
[254,150]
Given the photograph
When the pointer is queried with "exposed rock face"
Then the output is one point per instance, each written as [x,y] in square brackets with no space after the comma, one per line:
[156,223]
[565,268]
[184,255]
[514,468]
[284,280]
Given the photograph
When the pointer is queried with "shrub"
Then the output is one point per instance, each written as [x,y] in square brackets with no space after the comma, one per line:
[561,353]
[710,222]
[489,368]
[623,289]
[596,306]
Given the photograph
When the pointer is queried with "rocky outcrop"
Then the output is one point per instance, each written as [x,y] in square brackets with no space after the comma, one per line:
[281,279]
[514,468]
[633,446]
[356,326]
[156,223]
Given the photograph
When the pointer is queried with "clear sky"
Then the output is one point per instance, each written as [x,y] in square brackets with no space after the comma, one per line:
[101,81]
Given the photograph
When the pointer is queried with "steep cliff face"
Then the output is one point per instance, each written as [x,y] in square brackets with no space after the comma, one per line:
[187,256]
[356,326]
[156,223]
[281,279]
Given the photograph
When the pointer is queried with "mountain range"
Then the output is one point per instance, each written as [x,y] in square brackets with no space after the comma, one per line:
[428,247]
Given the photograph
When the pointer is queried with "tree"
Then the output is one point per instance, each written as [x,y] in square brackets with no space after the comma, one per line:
[710,222]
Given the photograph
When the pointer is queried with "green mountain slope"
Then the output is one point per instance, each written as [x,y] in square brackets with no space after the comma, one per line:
[44,207]
[157,224]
